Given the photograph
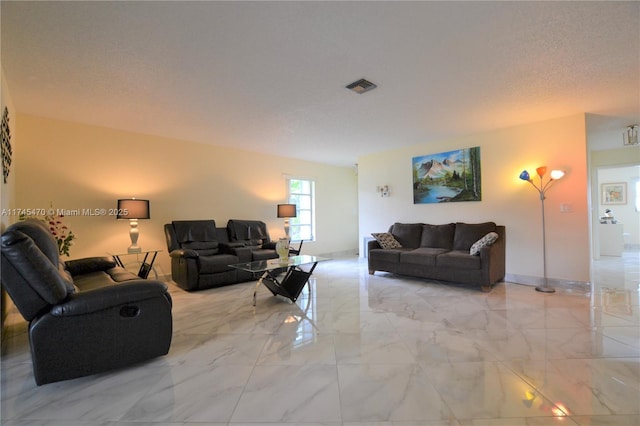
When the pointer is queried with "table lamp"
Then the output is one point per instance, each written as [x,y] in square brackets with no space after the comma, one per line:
[133,209]
[286,211]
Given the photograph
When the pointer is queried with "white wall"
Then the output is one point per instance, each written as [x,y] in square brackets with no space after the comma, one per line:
[506,199]
[77,166]
[625,214]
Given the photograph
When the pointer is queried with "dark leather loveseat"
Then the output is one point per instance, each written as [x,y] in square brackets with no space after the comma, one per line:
[85,316]
[443,252]
[201,253]
[252,237]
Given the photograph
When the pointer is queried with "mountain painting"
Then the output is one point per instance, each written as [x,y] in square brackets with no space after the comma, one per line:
[447,177]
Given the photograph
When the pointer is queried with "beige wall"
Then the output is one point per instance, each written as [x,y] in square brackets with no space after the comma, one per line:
[7,190]
[506,199]
[77,166]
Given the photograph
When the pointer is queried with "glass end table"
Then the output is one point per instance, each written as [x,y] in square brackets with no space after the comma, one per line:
[145,266]
[289,286]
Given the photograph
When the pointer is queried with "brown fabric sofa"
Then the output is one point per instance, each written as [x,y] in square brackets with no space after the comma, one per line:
[442,252]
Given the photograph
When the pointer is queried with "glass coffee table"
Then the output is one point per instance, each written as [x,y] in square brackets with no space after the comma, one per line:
[293,281]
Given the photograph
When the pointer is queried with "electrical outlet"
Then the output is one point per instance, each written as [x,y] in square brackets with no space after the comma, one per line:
[566,208]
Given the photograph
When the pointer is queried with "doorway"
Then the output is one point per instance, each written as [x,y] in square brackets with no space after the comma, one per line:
[616,211]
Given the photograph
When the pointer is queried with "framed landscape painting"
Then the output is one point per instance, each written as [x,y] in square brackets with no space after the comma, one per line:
[614,193]
[450,176]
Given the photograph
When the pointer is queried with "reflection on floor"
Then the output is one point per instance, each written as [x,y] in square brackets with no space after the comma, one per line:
[366,350]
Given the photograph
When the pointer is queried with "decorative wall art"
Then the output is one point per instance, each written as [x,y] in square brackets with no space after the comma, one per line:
[6,145]
[614,193]
[450,176]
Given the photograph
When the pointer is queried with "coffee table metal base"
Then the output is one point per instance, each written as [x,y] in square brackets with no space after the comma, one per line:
[294,278]
[290,286]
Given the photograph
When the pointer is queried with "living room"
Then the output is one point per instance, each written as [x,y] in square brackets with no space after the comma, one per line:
[69,160]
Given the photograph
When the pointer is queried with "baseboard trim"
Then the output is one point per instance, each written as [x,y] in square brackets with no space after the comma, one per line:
[164,278]
[566,285]
[337,254]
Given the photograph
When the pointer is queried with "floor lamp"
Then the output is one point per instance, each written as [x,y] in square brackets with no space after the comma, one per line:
[542,189]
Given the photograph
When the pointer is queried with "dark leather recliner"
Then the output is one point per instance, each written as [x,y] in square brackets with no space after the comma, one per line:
[253,237]
[85,316]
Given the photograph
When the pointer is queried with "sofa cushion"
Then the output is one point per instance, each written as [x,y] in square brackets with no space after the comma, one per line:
[458,259]
[120,275]
[217,263]
[93,280]
[33,228]
[422,256]
[466,234]
[389,255]
[407,234]
[485,241]
[195,230]
[204,248]
[252,232]
[386,240]
[262,254]
[438,236]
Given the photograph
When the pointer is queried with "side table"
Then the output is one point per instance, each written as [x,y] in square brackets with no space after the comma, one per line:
[145,266]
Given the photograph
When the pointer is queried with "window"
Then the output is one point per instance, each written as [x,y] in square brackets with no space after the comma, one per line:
[302,194]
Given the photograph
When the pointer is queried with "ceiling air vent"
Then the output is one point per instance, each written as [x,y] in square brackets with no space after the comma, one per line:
[361,86]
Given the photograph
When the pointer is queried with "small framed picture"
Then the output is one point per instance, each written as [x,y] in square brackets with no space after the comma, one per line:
[614,193]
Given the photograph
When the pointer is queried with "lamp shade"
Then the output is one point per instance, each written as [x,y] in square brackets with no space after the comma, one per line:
[286,210]
[541,170]
[525,175]
[557,174]
[133,208]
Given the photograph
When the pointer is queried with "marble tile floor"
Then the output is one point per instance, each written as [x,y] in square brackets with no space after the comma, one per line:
[365,350]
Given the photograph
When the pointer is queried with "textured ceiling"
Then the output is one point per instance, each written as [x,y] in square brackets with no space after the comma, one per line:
[270,76]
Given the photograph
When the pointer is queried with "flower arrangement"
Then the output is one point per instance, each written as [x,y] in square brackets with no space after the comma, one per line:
[61,232]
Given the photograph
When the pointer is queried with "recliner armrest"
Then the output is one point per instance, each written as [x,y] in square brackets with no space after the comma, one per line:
[242,252]
[269,245]
[89,264]
[128,293]
[186,253]
[373,244]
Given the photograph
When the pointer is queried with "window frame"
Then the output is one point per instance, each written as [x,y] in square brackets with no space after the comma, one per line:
[294,223]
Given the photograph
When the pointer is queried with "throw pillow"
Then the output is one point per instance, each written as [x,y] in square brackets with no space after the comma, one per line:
[468,233]
[386,240]
[485,241]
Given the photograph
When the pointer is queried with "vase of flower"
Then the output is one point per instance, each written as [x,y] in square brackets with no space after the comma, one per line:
[282,248]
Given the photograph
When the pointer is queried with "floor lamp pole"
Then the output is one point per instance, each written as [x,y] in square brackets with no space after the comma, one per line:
[544,288]
[555,175]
